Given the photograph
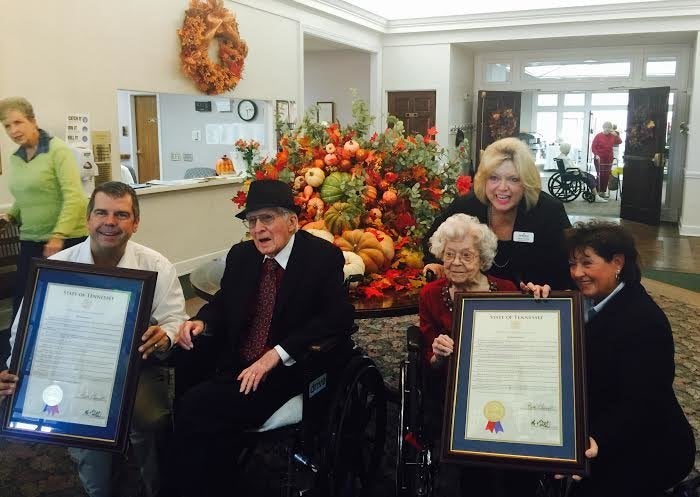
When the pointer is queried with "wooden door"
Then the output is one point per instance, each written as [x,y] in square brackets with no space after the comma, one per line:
[498,116]
[644,159]
[415,108]
[147,151]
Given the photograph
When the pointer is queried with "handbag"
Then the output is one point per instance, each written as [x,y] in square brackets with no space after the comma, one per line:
[613,183]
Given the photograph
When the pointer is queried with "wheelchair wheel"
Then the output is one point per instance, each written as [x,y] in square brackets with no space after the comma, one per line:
[415,469]
[588,196]
[356,431]
[563,188]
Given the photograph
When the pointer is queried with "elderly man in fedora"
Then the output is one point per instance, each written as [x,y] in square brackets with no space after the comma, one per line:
[280,291]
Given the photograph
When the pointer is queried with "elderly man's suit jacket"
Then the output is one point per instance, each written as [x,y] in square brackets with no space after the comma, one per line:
[311,303]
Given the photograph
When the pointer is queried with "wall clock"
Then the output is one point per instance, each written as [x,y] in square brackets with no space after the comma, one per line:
[247,110]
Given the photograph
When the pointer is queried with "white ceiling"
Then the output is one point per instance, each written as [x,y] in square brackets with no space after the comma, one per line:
[316,44]
[417,9]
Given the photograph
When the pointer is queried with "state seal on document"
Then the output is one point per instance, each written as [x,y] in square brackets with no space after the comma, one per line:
[494,411]
[52,397]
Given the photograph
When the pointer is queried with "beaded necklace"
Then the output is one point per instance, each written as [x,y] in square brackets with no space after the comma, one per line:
[447,299]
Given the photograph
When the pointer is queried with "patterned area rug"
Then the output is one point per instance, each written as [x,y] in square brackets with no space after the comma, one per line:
[33,470]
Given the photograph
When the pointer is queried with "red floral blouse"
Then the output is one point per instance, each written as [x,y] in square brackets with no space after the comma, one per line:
[435,309]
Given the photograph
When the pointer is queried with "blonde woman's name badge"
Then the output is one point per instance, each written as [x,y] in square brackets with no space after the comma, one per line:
[524,236]
[494,411]
[52,397]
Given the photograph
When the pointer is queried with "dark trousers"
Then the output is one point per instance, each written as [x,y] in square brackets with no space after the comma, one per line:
[27,250]
[210,419]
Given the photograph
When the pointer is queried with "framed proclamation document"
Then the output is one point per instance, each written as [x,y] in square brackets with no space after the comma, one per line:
[516,384]
[76,354]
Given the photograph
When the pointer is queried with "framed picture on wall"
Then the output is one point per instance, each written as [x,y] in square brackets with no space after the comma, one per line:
[326,111]
[282,111]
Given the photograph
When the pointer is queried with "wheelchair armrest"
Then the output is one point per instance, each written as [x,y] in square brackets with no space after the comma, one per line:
[413,339]
[326,345]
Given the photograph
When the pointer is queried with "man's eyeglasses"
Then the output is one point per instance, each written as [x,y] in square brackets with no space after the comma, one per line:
[264,219]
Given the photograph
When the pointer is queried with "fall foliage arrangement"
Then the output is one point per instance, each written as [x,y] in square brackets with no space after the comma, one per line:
[374,197]
[205,21]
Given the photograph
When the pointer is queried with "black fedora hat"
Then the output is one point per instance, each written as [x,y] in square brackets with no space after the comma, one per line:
[266,193]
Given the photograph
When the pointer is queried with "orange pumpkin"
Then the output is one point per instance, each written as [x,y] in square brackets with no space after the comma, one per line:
[369,194]
[365,245]
[389,197]
[385,242]
[360,154]
[224,165]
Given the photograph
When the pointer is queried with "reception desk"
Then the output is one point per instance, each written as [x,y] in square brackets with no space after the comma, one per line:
[190,222]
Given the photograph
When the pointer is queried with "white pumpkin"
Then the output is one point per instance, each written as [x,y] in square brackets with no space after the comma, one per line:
[353,264]
[326,235]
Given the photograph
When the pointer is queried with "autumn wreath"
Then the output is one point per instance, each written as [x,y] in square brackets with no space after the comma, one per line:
[206,20]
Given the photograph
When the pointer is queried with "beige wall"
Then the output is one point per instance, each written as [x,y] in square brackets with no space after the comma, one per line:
[190,225]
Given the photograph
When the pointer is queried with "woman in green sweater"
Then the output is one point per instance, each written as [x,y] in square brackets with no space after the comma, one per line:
[43,177]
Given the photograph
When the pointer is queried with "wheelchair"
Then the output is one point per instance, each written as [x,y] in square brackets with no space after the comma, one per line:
[335,448]
[416,466]
[568,184]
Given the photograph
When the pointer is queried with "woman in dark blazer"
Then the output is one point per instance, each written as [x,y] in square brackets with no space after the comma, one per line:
[641,439]
[528,222]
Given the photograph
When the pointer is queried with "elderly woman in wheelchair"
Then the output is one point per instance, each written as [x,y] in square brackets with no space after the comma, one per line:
[467,249]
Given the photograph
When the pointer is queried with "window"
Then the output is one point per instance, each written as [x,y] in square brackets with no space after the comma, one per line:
[574,99]
[547,126]
[609,99]
[497,73]
[572,129]
[660,67]
[547,100]
[578,70]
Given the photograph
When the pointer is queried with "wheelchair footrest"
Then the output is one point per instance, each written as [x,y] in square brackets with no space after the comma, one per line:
[305,461]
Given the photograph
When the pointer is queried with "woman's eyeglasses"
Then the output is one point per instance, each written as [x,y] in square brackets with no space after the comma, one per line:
[466,257]
[264,219]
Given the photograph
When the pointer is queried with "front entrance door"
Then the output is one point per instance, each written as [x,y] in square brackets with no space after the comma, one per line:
[497,116]
[147,151]
[415,108]
[645,157]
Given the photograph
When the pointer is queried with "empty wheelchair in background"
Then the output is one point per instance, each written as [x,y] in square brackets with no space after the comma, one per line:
[334,432]
[568,184]
[416,466]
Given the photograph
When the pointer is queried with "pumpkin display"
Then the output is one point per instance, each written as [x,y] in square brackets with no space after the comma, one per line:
[331,160]
[351,146]
[224,165]
[369,194]
[345,165]
[385,242]
[389,197]
[361,154]
[326,235]
[341,216]
[364,244]
[333,189]
[330,148]
[315,208]
[412,258]
[315,225]
[353,264]
[315,177]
